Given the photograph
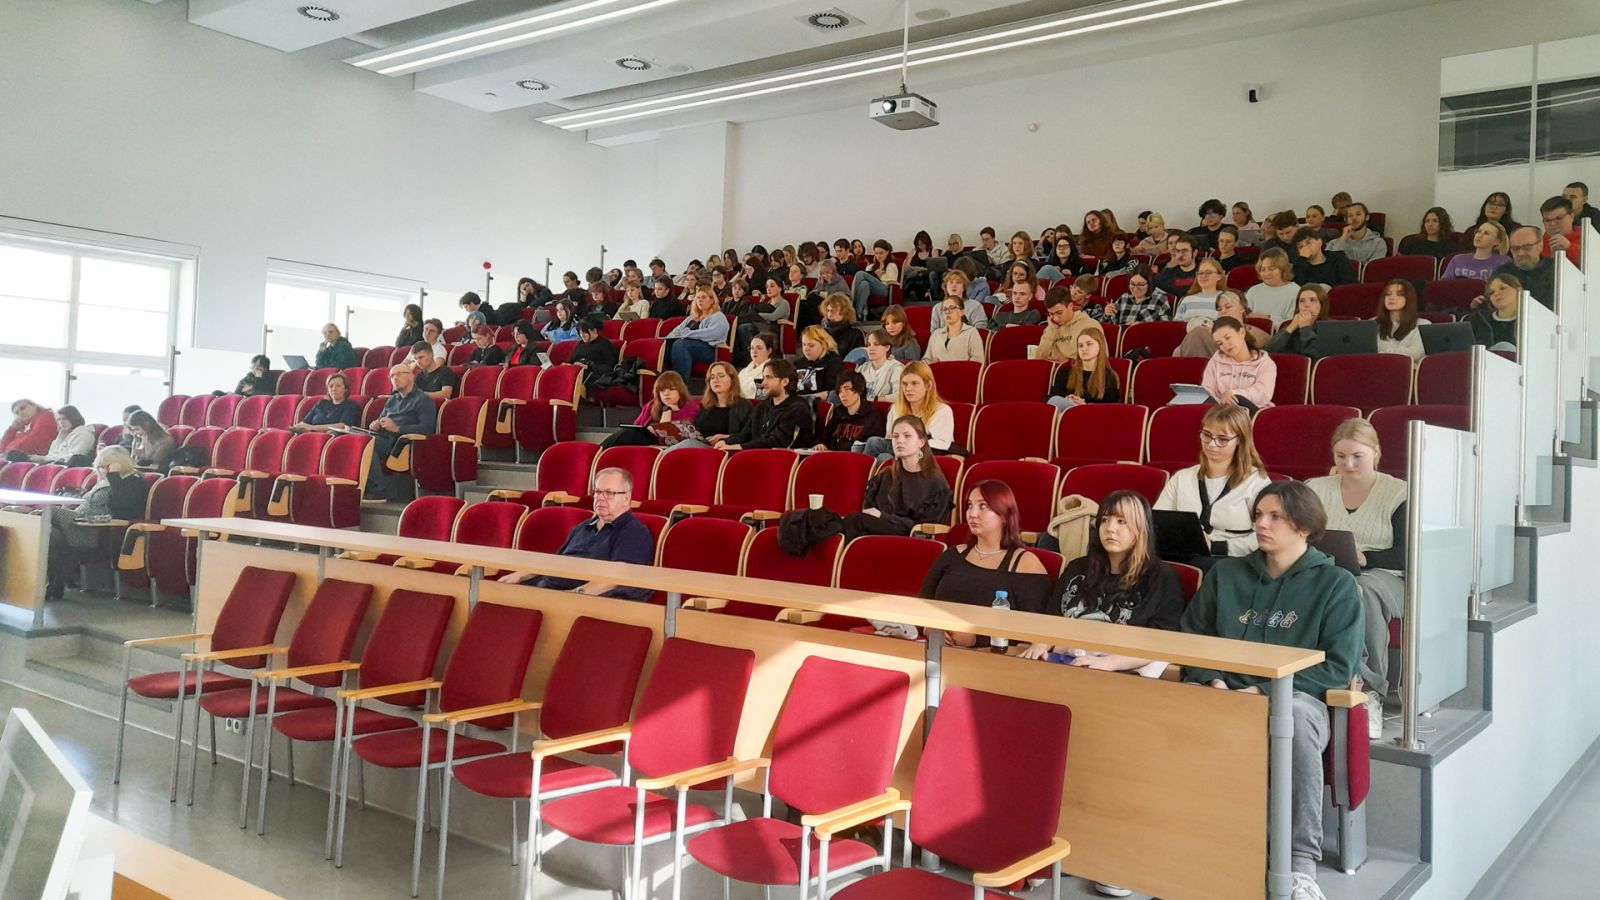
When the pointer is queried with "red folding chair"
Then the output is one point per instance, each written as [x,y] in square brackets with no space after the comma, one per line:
[430,518]
[1153,378]
[753,483]
[839,476]
[957,379]
[220,412]
[1294,379]
[477,524]
[683,482]
[1016,380]
[1453,295]
[1363,380]
[1294,440]
[1393,424]
[545,529]
[170,412]
[563,473]
[1445,379]
[1354,301]
[1418,268]
[1013,343]
[449,456]
[1160,338]
[702,544]
[1019,429]
[1097,480]
[1099,432]
[1173,440]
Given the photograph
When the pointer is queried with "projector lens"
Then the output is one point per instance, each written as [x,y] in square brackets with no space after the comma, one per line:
[888,106]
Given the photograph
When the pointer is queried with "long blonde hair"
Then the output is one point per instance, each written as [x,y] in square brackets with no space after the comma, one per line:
[930,401]
[735,393]
[1246,460]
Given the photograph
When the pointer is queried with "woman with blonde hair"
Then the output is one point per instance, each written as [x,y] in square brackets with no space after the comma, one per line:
[919,396]
[1371,505]
[818,368]
[1221,488]
[1199,343]
[119,492]
[1490,242]
[1155,240]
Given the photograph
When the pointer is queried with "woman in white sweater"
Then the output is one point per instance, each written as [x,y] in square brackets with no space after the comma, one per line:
[1221,489]
[881,370]
[75,441]
[1398,321]
[1371,505]
[919,396]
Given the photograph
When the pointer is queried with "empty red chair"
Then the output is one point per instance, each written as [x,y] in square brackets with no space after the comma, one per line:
[1013,343]
[545,529]
[764,559]
[957,379]
[640,328]
[484,381]
[203,439]
[1016,379]
[213,498]
[1013,430]
[1016,750]
[591,688]
[1294,379]
[1418,268]
[263,464]
[77,478]
[487,667]
[331,497]
[181,433]
[687,718]
[1243,278]
[479,524]
[230,453]
[1160,338]
[279,412]
[1453,295]
[377,357]
[376,382]
[194,411]
[1099,432]
[878,564]
[751,481]
[563,470]
[1393,424]
[398,355]
[1188,579]
[14,473]
[1153,378]
[840,477]
[40,478]
[247,622]
[834,746]
[1097,480]
[702,544]
[353,377]
[293,382]
[920,318]
[1354,301]
[1363,380]
[302,457]
[1294,440]
[430,518]
[220,413]
[1445,379]
[170,412]
[550,414]
[251,412]
[153,548]
[449,456]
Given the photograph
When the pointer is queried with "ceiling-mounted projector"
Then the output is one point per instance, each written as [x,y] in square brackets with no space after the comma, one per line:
[905,112]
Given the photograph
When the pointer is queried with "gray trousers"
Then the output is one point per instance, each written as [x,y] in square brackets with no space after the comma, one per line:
[1382,593]
[1310,741]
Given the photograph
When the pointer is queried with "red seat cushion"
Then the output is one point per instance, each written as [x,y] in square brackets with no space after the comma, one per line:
[910,884]
[164,685]
[317,724]
[510,775]
[606,816]
[767,851]
[236,704]
[403,749]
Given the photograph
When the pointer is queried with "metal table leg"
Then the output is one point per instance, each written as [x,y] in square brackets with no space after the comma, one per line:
[1280,784]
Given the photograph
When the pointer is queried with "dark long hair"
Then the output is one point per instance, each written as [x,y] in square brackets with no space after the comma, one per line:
[1387,327]
[1507,221]
[1142,558]
[1003,502]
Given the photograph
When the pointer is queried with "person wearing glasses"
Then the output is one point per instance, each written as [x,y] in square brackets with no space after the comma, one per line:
[612,534]
[955,339]
[1222,486]
[1560,230]
[1534,272]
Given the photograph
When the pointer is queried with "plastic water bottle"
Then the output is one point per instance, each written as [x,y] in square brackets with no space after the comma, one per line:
[1002,600]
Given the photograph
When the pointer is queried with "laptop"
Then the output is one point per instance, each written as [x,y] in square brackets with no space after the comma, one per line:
[296,362]
[1341,545]
[1336,337]
[1447,337]
[1179,536]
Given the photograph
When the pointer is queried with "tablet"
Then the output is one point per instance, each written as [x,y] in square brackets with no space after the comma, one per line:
[1179,535]
[1189,395]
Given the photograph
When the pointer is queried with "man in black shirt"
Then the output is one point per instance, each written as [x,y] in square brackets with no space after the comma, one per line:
[1577,193]
[612,534]
[1280,228]
[1205,234]
[1176,278]
[782,420]
[434,378]
[1536,271]
[1318,266]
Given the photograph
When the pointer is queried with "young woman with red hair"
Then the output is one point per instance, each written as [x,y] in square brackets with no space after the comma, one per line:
[993,559]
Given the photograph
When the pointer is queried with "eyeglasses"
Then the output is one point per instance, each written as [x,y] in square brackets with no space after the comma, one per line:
[1217,440]
[950,308]
[610,495]
[1533,246]
[1555,220]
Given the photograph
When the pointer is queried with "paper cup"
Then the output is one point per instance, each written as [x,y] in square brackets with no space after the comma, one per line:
[1033,351]
[815,501]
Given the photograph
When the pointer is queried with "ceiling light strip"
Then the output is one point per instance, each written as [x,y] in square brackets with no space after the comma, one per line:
[866,61]
[1087,29]
[482,32]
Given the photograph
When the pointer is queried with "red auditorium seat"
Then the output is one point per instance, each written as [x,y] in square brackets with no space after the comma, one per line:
[1099,432]
[221,411]
[170,412]
[154,549]
[1294,379]
[480,525]
[1097,480]
[651,353]
[1013,430]
[251,412]
[293,381]
[1013,343]
[353,376]
[213,498]
[484,381]
[1294,440]
[230,452]
[834,745]
[957,380]
[1363,380]
[181,433]
[1415,268]
[1188,579]
[430,518]
[1393,424]
[1243,278]
[683,481]
[398,355]
[1452,295]
[376,383]
[1173,441]
[1153,378]
[920,319]
[563,469]
[331,497]
[545,529]
[41,478]
[194,411]
[317,382]
[840,477]
[550,415]
[263,463]
[1445,379]
[378,358]
[203,439]
[449,456]
[1016,749]
[764,559]
[1160,338]
[1033,482]
[1016,379]
[12,474]
[280,412]
[1354,301]
[640,328]
[879,564]
[751,481]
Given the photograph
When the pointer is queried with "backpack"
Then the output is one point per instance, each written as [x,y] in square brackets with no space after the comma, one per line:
[191,458]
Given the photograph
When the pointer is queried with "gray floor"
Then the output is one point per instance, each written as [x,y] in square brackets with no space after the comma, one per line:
[1553,856]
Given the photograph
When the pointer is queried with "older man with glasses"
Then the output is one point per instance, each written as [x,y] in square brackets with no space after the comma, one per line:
[612,534]
[1536,271]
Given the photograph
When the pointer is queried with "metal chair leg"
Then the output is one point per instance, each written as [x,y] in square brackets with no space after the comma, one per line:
[122,714]
[194,728]
[516,845]
[422,811]
[291,763]
[335,790]
[444,804]
[249,757]
[177,731]
[344,780]
[272,707]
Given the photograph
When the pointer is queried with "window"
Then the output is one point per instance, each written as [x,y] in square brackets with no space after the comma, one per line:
[1484,129]
[1569,119]
[301,299]
[87,324]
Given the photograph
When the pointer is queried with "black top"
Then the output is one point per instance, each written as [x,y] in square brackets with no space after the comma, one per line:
[1234,261]
[908,498]
[1154,601]
[665,307]
[338,355]
[491,355]
[1335,269]
[1540,281]
[714,420]
[847,336]
[1175,281]
[1113,389]
[1395,556]
[326,412]
[128,495]
[597,355]
[1272,243]
[1417,245]
[818,376]
[1490,331]
[843,429]
[253,385]
[408,335]
[786,424]
[440,378]
[625,540]
[1008,315]
[953,578]
[1300,341]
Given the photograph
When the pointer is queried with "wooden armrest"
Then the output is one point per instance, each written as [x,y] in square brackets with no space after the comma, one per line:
[799,616]
[690,509]
[305,671]
[147,527]
[567,403]
[456,717]
[512,401]
[764,515]
[359,555]
[213,655]
[413,562]
[555,746]
[829,824]
[387,690]
[1022,868]
[183,470]
[295,479]
[688,778]
[254,473]
[222,473]
[197,533]
[504,494]
[704,604]
[1030,537]
[169,639]
[106,523]
[414,437]
[333,481]
[651,372]
[558,498]
[1345,699]
[930,529]
[462,439]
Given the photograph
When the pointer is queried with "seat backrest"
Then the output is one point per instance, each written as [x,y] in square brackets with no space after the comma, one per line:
[837,737]
[221,411]
[1174,434]
[12,474]
[519,383]
[40,478]
[545,529]
[405,643]
[267,451]
[1294,379]
[562,382]
[1153,378]
[700,544]
[1013,342]
[279,411]
[1294,439]
[639,461]
[689,475]
[251,411]
[249,617]
[757,478]
[1393,424]
[483,381]
[1358,301]
[194,410]
[886,564]
[353,377]
[211,498]
[1445,379]
[1188,579]
[167,496]
[430,518]
[1097,480]
[839,476]
[1100,432]
[464,417]
[303,454]
[1033,483]
[490,661]
[1363,380]
[1160,338]
[328,628]
[565,466]
[1451,294]
[346,457]
[170,412]
[1013,430]
[488,524]
[689,713]
[378,358]
[990,779]
[317,382]
[376,382]
[293,381]
[1015,379]
[958,379]
[595,677]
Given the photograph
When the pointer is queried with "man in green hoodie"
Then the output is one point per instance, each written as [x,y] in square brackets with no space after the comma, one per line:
[1290,594]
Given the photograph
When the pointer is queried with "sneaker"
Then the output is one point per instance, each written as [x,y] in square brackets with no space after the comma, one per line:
[1111,890]
[1304,887]
[1374,716]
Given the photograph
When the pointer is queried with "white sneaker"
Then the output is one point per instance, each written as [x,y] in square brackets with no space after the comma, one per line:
[1304,887]
[1374,716]
[1111,890]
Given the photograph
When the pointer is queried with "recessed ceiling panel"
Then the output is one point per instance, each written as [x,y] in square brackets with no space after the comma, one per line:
[291,25]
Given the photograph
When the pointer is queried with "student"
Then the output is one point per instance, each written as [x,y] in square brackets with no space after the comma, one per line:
[1019,310]
[1560,230]
[1577,193]
[903,344]
[993,559]
[723,409]
[564,327]
[260,381]
[1120,261]
[1329,267]
[1288,594]
[486,352]
[1358,242]
[852,419]
[407,411]
[1120,580]
[1199,343]
[1489,244]
[1142,302]
[1201,301]
[435,379]
[1282,227]
[1238,373]
[670,401]
[594,352]
[1222,486]
[751,376]
[971,290]
[782,420]
[880,371]
[31,431]
[910,491]
[1299,334]
[474,313]
[1063,260]
[874,280]
[634,305]
[1244,222]
[73,444]
[1497,208]
[1155,239]
[819,365]
[1017,273]
[334,352]
[1095,238]
[954,340]
[697,337]
[1372,506]
[336,409]
[1435,236]
[919,396]
[1274,296]
[662,304]
[1065,321]
[1494,324]
[1087,379]
[1179,274]
[411,327]
[839,321]
[522,352]
[1227,240]
[119,492]
[1205,234]
[152,445]
[1398,320]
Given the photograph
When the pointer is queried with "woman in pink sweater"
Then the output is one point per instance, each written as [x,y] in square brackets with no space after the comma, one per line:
[1238,372]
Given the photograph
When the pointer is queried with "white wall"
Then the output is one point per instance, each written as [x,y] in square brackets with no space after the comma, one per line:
[123,117]
[1351,105]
